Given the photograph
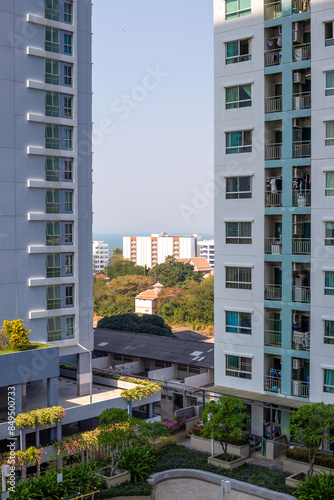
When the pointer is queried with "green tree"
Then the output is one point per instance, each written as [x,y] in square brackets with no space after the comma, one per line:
[118,266]
[225,420]
[173,273]
[130,285]
[311,424]
[155,430]
[117,251]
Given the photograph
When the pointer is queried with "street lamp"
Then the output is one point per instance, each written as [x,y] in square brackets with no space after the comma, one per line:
[90,373]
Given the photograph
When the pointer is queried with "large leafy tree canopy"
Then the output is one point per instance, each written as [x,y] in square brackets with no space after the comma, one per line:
[119,266]
[173,273]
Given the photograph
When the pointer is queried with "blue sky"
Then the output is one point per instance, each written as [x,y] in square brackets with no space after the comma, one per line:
[153,116]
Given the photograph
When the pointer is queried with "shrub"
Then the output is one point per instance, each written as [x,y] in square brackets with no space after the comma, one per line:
[165,443]
[176,424]
[18,335]
[318,487]
[126,489]
[43,416]
[301,454]
[148,323]
[139,461]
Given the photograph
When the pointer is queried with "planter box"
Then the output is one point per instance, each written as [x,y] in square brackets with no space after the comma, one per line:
[204,444]
[191,423]
[296,467]
[226,465]
[117,479]
[294,480]
[180,436]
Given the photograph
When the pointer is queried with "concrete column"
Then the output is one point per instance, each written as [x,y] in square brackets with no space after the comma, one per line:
[83,374]
[18,399]
[24,395]
[52,391]
[22,439]
[130,408]
[285,419]
[150,410]
[257,420]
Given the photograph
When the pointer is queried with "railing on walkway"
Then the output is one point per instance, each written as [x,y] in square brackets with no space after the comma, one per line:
[301,293]
[273,151]
[272,246]
[299,388]
[88,496]
[272,338]
[273,10]
[301,341]
[301,100]
[273,292]
[273,199]
[301,6]
[302,149]
[272,384]
[273,104]
[301,246]
[301,52]
[272,57]
[302,198]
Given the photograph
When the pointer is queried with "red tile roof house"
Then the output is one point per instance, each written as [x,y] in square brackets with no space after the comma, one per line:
[147,302]
[200,264]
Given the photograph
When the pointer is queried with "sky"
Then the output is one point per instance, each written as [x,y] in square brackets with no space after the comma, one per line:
[153,116]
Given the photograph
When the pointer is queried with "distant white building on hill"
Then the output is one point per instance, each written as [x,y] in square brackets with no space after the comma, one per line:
[100,256]
[206,248]
[151,250]
[147,302]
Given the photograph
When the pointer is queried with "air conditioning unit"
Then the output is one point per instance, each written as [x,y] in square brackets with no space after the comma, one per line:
[298,219]
[297,26]
[295,267]
[298,123]
[296,388]
[297,36]
[298,77]
[297,363]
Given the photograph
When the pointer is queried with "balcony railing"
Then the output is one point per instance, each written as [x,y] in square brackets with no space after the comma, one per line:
[272,57]
[301,52]
[301,293]
[273,104]
[273,10]
[301,6]
[302,199]
[299,388]
[273,151]
[301,341]
[272,338]
[302,149]
[302,100]
[273,292]
[301,246]
[272,384]
[273,199]
[272,246]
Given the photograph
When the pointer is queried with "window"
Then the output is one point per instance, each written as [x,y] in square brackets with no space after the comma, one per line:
[67,75]
[239,277]
[69,295]
[238,187]
[329,381]
[69,233]
[52,9]
[238,51]
[53,297]
[51,40]
[238,97]
[329,83]
[182,368]
[51,72]
[239,233]
[329,40]
[68,106]
[238,322]
[329,234]
[239,142]
[53,233]
[54,329]
[52,201]
[237,8]
[51,104]
[68,264]
[329,141]
[68,138]
[68,201]
[68,170]
[194,370]
[67,12]
[329,190]
[329,282]
[69,327]
[237,366]
[329,332]
[52,169]
[53,265]
[67,44]
[52,136]
[159,364]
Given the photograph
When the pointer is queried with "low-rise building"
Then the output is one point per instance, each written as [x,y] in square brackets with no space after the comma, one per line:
[206,248]
[147,302]
[201,265]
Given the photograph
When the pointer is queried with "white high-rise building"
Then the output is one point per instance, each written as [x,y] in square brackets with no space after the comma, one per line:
[206,248]
[274,211]
[101,256]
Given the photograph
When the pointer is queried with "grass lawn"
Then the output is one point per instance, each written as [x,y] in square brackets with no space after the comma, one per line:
[8,349]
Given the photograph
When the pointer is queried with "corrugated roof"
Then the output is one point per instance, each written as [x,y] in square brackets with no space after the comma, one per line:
[174,350]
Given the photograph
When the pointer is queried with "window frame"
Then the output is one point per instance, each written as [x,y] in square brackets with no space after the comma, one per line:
[238,239]
[51,103]
[238,195]
[53,238]
[238,329]
[53,174]
[52,141]
[69,325]
[68,233]
[329,238]
[68,16]
[239,57]
[68,170]
[54,333]
[329,140]
[51,77]
[241,285]
[325,386]
[68,138]
[68,201]
[51,9]
[52,201]
[53,265]
[53,297]
[68,43]
[329,191]
[238,372]
[329,41]
[240,148]
[68,264]
[236,104]
[68,106]
[329,288]
[68,75]
[51,39]
[328,339]
[239,12]
[69,295]
[329,91]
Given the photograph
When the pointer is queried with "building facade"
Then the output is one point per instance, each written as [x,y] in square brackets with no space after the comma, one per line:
[274,133]
[101,256]
[151,250]
[46,173]
[206,248]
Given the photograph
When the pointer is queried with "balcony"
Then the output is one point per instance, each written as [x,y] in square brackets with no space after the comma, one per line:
[299,6]
[272,10]
[272,338]
[301,341]
[301,149]
[272,292]
[300,389]
[272,246]
[273,199]
[272,57]
[301,52]
[273,151]
[301,246]
[302,198]
[272,384]
[301,293]
[273,104]
[301,100]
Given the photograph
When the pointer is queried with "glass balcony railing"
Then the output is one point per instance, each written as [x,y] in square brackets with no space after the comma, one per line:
[273,104]
[272,384]
[301,246]
[273,10]
[272,246]
[273,199]
[301,52]
[302,198]
[272,338]
[273,151]
[301,100]
[301,293]
[272,57]
[299,6]
[300,389]
[272,292]
[302,149]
